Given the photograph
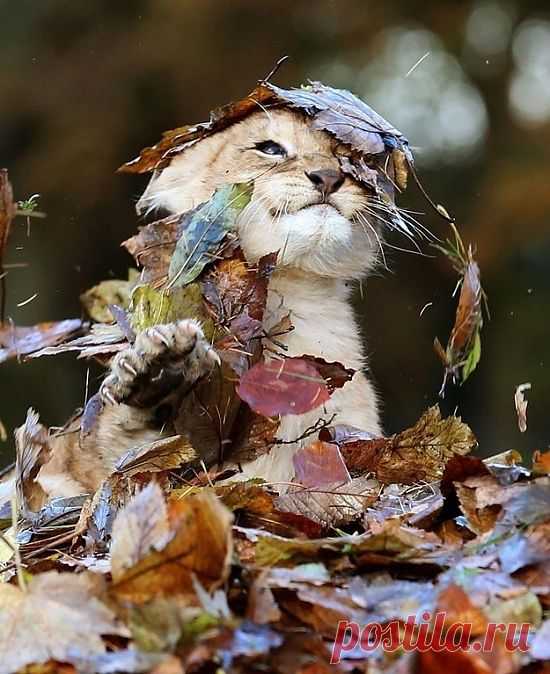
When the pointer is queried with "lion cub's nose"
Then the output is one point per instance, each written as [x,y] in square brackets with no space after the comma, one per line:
[326,181]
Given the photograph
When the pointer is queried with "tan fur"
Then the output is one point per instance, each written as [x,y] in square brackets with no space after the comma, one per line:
[321,247]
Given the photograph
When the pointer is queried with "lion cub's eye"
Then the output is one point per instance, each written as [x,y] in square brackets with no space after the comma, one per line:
[271,148]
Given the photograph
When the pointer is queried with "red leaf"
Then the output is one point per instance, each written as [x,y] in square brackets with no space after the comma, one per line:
[319,465]
[290,386]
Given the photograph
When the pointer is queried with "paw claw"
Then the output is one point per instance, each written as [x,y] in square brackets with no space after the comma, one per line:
[156,335]
[213,357]
[125,365]
[107,395]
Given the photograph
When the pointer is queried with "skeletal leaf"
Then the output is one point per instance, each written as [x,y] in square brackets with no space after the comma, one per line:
[203,230]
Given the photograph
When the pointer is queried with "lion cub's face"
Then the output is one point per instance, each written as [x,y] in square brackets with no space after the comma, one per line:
[302,205]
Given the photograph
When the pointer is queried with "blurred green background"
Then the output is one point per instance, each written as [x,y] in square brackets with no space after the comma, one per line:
[84,85]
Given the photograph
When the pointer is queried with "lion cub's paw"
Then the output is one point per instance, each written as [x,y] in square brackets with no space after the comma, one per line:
[162,359]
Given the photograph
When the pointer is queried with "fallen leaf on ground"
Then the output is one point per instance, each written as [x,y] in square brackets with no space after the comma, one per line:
[59,617]
[320,464]
[153,457]
[200,546]
[140,527]
[416,454]
[334,504]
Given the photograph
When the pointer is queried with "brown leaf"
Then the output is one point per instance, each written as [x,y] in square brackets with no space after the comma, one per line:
[334,374]
[32,451]
[153,247]
[245,496]
[140,527]
[336,111]
[200,546]
[468,311]
[21,341]
[153,457]
[289,386]
[480,517]
[463,351]
[333,504]
[59,617]
[418,453]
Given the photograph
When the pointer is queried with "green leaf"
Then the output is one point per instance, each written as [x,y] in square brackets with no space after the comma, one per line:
[473,358]
[153,307]
[204,229]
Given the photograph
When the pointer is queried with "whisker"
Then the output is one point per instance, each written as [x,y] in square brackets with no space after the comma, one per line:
[363,219]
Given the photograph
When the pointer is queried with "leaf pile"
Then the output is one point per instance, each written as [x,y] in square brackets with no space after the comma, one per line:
[145,577]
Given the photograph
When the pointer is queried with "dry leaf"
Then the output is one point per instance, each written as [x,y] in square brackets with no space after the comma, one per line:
[334,504]
[98,299]
[140,527]
[153,457]
[289,386]
[22,341]
[463,351]
[416,454]
[59,617]
[336,111]
[521,406]
[32,451]
[102,340]
[200,546]
[319,465]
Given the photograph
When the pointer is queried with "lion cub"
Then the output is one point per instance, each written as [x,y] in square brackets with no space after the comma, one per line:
[316,217]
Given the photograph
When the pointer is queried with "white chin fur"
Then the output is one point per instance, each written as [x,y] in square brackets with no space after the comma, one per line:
[317,239]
